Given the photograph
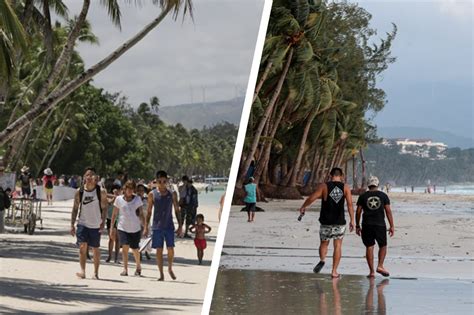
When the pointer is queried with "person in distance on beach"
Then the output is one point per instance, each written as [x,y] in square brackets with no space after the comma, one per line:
[373,205]
[91,203]
[250,199]
[162,200]
[332,219]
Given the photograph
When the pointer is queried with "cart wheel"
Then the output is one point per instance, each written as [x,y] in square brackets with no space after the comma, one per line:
[32,224]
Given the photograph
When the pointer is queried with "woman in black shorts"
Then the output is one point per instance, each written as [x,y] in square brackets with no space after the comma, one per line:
[128,208]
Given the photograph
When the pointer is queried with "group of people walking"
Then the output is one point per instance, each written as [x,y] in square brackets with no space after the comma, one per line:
[372,206]
[133,212]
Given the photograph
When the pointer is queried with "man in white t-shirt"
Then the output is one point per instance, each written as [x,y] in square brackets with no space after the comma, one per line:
[91,203]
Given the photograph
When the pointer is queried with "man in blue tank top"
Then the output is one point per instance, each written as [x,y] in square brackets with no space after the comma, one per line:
[161,201]
[332,219]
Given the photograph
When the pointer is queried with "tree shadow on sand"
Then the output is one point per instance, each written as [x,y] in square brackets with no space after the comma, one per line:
[38,250]
[116,300]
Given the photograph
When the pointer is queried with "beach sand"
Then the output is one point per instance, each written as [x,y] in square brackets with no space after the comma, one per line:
[38,273]
[433,239]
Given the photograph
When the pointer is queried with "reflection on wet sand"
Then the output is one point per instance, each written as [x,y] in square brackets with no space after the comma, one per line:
[269,292]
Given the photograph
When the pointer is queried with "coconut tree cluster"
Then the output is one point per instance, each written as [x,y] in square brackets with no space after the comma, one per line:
[315,89]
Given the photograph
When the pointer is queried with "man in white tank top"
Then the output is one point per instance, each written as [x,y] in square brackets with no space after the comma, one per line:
[91,203]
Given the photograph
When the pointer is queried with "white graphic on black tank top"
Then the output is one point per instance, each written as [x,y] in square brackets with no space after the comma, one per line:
[373,203]
[336,194]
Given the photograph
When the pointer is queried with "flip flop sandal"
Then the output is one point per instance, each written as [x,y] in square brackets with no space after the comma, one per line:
[383,273]
[318,267]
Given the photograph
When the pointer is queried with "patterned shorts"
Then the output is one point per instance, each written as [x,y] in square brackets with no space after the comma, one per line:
[328,232]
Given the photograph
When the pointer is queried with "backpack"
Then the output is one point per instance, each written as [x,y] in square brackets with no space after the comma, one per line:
[4,200]
[81,194]
[49,182]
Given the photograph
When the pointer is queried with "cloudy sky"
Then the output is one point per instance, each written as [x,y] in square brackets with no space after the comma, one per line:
[178,62]
[431,83]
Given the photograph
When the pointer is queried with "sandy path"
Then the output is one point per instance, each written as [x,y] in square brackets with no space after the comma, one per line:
[38,274]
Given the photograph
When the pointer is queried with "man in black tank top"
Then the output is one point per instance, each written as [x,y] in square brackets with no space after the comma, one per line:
[332,219]
[372,206]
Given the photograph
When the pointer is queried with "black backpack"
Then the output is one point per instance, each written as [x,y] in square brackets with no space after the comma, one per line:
[81,194]
[49,182]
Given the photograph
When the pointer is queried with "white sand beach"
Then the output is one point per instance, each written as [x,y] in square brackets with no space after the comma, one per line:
[433,239]
[38,273]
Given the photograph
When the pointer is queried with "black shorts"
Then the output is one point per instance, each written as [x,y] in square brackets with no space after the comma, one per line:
[26,191]
[131,239]
[251,207]
[372,233]
[109,221]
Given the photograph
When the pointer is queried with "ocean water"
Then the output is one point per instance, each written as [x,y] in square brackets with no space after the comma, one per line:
[211,198]
[467,189]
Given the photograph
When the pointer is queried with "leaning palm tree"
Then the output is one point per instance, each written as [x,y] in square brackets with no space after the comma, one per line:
[47,99]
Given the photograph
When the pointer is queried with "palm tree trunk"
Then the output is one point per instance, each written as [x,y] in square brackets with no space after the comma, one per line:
[262,80]
[38,133]
[314,167]
[68,88]
[58,146]
[309,121]
[66,52]
[261,125]
[262,163]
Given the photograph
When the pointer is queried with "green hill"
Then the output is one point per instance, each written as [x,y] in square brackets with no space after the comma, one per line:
[389,165]
[199,115]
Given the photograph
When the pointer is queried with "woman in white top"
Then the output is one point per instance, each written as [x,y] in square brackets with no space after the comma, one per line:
[128,208]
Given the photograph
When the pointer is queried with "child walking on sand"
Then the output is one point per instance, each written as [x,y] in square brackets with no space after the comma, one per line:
[200,229]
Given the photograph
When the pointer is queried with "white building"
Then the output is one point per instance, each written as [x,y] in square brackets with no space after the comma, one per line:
[425,148]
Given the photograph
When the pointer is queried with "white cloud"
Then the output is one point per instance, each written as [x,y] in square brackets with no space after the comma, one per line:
[459,9]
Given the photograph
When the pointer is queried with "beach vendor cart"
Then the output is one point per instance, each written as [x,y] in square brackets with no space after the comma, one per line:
[23,211]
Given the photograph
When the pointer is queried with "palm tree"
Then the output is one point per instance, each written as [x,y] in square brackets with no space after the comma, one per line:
[12,38]
[45,100]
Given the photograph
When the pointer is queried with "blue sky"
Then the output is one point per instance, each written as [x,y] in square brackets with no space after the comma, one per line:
[431,83]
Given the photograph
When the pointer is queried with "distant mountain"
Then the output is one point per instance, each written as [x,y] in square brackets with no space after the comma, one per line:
[448,138]
[199,115]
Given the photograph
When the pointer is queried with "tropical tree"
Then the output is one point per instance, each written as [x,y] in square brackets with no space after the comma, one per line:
[317,81]
[52,90]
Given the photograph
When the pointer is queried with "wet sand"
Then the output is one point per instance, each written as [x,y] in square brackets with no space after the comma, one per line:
[434,238]
[272,292]
[37,273]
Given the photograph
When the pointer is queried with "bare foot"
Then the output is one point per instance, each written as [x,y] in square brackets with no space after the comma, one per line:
[172,274]
[335,275]
[95,277]
[81,275]
[162,277]
[371,275]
